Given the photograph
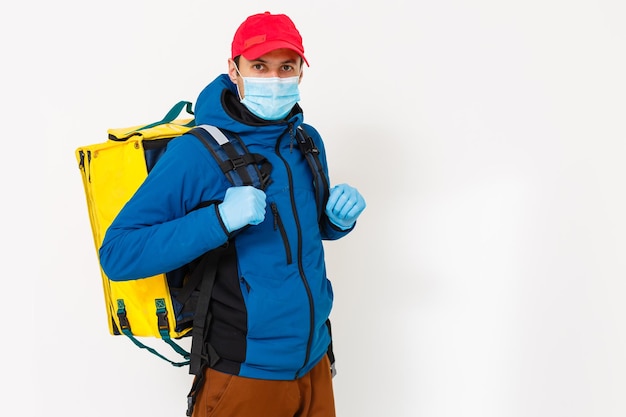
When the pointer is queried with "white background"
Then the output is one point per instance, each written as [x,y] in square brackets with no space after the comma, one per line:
[486,276]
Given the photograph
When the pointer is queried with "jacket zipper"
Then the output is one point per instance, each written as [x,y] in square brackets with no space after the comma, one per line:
[299,246]
[278,225]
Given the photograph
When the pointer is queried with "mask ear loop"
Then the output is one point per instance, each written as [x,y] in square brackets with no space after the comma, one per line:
[239,93]
[237,84]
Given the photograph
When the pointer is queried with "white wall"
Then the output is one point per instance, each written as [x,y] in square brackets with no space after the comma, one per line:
[486,277]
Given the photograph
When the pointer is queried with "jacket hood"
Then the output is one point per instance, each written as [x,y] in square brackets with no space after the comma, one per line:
[218,105]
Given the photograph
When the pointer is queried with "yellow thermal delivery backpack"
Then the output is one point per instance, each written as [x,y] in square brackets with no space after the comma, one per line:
[111,172]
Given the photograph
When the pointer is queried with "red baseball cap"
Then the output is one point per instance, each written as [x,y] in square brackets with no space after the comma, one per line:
[265,32]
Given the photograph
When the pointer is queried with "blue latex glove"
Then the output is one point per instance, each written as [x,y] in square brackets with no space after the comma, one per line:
[344,205]
[242,206]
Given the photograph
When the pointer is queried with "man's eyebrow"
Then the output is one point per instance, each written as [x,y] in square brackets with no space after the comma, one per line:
[288,61]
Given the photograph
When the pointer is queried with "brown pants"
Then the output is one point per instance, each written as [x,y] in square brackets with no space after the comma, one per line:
[224,395]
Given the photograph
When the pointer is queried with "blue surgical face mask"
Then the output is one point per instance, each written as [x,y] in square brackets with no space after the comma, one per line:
[270,98]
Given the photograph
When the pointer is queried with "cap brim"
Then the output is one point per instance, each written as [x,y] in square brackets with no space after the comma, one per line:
[256,51]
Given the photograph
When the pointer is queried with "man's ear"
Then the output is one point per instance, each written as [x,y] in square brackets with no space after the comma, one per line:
[232,71]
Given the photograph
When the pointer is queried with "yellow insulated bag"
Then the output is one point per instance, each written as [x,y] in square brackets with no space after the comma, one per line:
[111,172]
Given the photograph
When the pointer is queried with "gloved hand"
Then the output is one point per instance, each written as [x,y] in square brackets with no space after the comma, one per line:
[344,205]
[242,206]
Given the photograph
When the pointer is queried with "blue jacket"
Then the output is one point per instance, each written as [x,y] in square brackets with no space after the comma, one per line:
[271,304]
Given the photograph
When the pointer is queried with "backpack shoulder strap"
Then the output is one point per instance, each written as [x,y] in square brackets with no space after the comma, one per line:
[239,165]
[320,180]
